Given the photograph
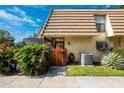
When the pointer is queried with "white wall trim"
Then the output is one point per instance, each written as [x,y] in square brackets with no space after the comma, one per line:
[109,29]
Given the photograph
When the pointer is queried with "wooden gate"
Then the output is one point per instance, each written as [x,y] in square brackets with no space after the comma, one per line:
[58,56]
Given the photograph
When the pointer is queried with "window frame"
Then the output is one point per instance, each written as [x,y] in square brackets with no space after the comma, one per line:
[100,23]
[101,45]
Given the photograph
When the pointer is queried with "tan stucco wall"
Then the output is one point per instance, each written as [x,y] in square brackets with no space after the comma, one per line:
[85,44]
[88,45]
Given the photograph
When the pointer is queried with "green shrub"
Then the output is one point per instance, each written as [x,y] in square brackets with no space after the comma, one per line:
[6,60]
[47,57]
[119,51]
[32,58]
[113,60]
[19,44]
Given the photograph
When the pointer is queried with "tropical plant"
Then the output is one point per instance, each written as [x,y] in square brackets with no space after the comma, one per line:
[19,44]
[119,50]
[33,36]
[5,45]
[6,60]
[113,60]
[39,31]
[121,6]
[6,36]
[6,40]
[32,58]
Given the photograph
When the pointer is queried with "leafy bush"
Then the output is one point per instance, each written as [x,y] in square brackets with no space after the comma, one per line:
[113,60]
[119,51]
[32,58]
[19,44]
[5,46]
[6,60]
[6,36]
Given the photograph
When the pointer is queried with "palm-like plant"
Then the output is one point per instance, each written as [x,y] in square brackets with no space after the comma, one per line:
[6,60]
[29,58]
[113,60]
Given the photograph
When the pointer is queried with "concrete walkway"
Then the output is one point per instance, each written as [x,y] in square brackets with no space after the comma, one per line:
[56,79]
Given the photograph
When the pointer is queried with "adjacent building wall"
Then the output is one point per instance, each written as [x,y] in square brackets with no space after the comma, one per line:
[86,45]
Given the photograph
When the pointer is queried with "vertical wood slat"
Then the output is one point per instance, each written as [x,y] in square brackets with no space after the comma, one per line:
[58,56]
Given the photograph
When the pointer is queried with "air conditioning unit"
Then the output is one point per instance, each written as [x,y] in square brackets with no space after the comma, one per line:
[86,59]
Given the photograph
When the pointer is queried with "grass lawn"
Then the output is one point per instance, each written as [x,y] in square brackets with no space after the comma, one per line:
[74,70]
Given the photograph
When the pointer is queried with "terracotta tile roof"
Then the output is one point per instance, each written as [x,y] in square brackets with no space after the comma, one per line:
[117,21]
[81,21]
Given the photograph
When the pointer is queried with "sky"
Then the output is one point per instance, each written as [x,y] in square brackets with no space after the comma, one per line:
[23,21]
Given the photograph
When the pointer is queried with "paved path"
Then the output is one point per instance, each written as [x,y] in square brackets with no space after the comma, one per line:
[56,79]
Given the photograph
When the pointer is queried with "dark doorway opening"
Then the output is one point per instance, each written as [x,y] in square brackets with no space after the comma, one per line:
[58,42]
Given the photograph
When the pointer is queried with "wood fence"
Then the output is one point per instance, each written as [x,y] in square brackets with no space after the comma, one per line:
[58,56]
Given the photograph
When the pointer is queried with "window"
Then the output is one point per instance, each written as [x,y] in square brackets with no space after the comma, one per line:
[101,45]
[100,23]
